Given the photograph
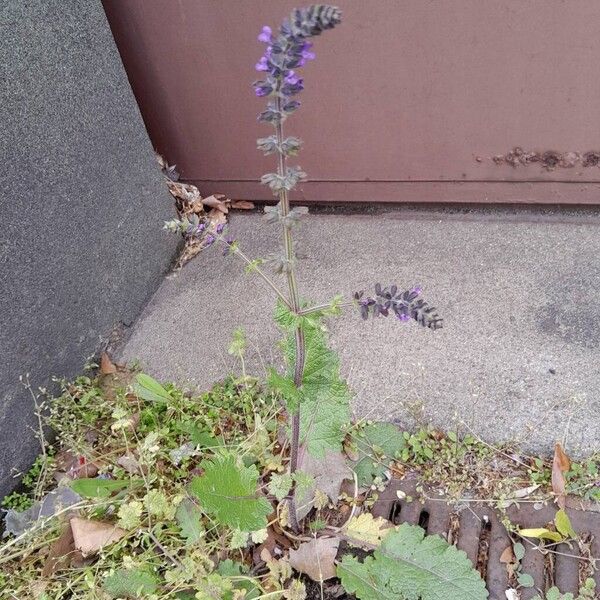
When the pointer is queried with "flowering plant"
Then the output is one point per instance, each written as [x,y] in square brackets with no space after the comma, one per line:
[316,397]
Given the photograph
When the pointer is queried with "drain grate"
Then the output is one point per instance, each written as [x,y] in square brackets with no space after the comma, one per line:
[476,528]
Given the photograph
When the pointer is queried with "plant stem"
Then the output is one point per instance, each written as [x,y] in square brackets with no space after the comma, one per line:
[294,298]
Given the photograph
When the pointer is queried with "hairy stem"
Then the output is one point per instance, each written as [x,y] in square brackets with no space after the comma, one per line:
[294,298]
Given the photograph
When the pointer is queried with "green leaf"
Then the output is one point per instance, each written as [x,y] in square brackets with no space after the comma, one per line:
[410,565]
[102,488]
[563,524]
[229,568]
[323,398]
[228,492]
[280,485]
[131,583]
[150,390]
[237,347]
[188,516]
[519,550]
[377,444]
[525,580]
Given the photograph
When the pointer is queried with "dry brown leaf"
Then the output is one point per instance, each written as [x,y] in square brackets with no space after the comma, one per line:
[106,365]
[59,553]
[242,204]
[508,556]
[217,217]
[130,463]
[316,558]
[328,474]
[560,465]
[184,191]
[216,202]
[90,536]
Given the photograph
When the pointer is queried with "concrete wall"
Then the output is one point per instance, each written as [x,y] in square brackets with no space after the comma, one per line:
[82,202]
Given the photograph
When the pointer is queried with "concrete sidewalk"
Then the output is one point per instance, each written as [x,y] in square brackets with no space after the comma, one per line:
[519,355]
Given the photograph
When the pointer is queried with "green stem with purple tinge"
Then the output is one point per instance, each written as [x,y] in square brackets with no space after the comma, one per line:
[294,300]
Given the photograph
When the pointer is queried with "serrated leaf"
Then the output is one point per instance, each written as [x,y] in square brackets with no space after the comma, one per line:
[323,398]
[366,528]
[280,485]
[149,389]
[410,565]
[541,533]
[131,583]
[228,492]
[377,445]
[102,488]
[188,516]
[563,524]
[230,568]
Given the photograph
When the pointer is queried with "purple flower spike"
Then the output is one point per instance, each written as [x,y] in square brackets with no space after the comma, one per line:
[403,317]
[306,55]
[220,227]
[265,35]
[201,228]
[417,290]
[210,239]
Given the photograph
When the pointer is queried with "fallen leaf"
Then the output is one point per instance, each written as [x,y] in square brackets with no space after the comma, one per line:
[130,463]
[508,556]
[242,205]
[214,202]
[106,365]
[366,528]
[316,558]
[560,465]
[541,533]
[216,217]
[59,553]
[524,492]
[183,191]
[90,536]
[328,474]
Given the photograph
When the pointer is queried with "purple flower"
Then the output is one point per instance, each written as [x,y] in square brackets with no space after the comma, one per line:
[306,55]
[262,64]
[416,290]
[265,35]
[209,239]
[201,228]
[220,227]
[289,89]
[292,78]
[403,317]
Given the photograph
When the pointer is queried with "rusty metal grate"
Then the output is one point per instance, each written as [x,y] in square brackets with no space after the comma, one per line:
[476,528]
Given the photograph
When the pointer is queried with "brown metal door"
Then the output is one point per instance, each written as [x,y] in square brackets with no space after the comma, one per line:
[409,100]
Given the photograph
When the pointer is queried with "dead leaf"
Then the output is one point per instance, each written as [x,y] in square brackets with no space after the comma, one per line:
[508,556]
[90,536]
[242,205]
[368,529]
[328,474]
[216,202]
[59,553]
[560,465]
[106,365]
[184,191]
[216,217]
[130,463]
[316,558]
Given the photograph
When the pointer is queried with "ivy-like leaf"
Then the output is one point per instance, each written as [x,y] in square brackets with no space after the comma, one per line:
[228,492]
[410,565]
[131,583]
[377,444]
